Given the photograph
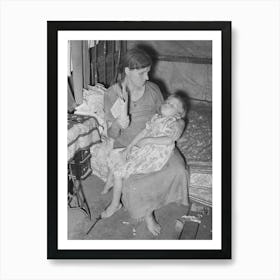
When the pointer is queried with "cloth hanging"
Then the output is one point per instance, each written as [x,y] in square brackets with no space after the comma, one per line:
[80,64]
[71,101]
[92,43]
[86,62]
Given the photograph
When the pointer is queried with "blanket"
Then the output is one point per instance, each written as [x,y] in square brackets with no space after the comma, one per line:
[82,133]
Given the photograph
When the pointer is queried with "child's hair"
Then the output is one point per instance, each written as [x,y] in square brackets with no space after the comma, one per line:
[185,100]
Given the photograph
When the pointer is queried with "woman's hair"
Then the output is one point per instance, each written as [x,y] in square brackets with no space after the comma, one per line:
[185,100]
[135,59]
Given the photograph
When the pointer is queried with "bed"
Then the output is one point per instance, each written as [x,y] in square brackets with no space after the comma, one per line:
[196,146]
[81,135]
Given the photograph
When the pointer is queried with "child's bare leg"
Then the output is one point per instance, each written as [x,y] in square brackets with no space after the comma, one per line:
[115,204]
[109,182]
[152,225]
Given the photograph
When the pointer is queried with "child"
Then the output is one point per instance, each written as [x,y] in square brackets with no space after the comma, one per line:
[148,152]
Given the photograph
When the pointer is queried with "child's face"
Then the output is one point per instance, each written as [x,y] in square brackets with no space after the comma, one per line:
[171,107]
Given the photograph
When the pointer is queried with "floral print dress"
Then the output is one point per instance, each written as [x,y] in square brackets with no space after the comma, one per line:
[151,157]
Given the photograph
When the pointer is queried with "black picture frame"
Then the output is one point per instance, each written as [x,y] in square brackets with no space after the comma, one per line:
[53,27]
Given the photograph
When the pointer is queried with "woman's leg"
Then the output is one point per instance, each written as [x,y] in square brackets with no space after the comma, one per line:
[115,204]
[152,225]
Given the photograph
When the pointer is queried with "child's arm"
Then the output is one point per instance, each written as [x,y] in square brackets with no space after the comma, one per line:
[161,140]
[173,134]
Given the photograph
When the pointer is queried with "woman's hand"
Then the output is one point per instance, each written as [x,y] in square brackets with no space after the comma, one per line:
[144,141]
[123,121]
[126,152]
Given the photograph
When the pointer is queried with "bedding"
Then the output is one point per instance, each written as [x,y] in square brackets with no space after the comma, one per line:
[93,105]
[196,146]
[196,141]
[82,133]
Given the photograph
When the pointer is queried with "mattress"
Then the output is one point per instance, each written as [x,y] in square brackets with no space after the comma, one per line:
[196,146]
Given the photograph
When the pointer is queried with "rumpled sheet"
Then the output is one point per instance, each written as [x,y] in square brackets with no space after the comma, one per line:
[99,155]
[82,133]
[93,105]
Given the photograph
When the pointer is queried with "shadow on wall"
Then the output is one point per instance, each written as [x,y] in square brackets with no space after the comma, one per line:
[171,76]
[153,54]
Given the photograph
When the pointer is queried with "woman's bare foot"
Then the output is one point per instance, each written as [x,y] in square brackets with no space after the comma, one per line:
[110,210]
[152,224]
[107,187]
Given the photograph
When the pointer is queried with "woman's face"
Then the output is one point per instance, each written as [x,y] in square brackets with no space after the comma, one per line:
[171,107]
[137,77]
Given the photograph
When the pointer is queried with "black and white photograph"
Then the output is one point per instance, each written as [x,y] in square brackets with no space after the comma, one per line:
[127,104]
[140,139]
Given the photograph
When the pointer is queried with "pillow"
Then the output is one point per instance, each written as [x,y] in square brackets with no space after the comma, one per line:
[93,105]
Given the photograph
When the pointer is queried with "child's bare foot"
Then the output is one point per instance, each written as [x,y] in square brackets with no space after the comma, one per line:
[152,224]
[107,187]
[110,210]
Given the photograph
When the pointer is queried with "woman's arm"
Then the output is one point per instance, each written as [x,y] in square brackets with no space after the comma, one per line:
[114,130]
[156,95]
[137,138]
[134,142]
[110,97]
[114,124]
[173,133]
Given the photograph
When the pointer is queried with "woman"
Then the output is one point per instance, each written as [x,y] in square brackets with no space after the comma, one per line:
[143,193]
[144,99]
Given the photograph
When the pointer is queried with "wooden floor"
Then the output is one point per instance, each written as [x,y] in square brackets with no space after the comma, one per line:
[177,222]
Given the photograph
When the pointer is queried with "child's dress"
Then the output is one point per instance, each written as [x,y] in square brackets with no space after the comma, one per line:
[151,157]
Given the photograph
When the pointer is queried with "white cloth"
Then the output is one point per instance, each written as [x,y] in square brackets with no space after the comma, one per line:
[93,105]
